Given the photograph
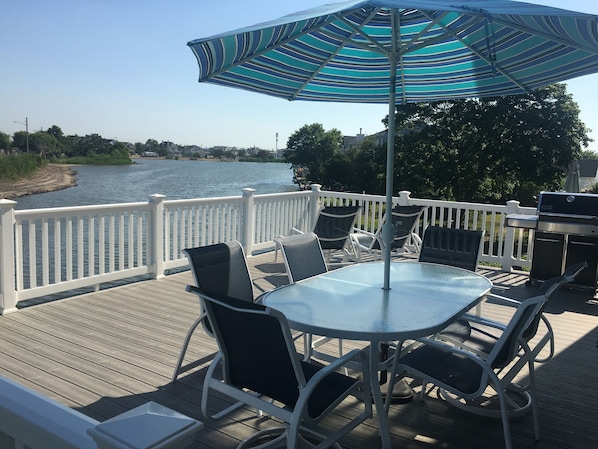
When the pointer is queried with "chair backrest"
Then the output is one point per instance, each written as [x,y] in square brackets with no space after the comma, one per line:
[450,246]
[404,220]
[257,348]
[221,270]
[334,225]
[524,323]
[509,343]
[302,256]
[548,289]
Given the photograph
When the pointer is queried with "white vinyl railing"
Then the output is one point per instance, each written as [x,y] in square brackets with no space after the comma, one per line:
[49,251]
[29,420]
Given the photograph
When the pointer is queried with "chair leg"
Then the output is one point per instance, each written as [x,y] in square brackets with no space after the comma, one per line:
[505,420]
[206,393]
[532,393]
[177,369]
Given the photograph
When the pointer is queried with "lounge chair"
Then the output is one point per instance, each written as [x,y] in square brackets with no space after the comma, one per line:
[404,220]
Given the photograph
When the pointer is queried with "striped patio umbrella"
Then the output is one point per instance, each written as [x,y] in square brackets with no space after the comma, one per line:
[572,179]
[400,51]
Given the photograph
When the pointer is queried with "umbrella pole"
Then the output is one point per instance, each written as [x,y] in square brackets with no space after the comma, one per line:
[388,228]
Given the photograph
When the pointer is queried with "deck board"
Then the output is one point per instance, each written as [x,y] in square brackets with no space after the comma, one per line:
[106,352]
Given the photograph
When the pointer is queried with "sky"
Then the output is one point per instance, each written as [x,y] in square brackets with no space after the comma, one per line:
[122,69]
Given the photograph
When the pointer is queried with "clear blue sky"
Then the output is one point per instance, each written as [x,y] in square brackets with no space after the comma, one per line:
[122,69]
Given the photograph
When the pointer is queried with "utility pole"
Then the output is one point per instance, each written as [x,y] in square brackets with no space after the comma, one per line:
[26,123]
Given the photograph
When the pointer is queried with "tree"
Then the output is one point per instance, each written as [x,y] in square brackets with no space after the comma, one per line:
[588,154]
[45,144]
[56,132]
[488,149]
[312,149]
[4,142]
[19,140]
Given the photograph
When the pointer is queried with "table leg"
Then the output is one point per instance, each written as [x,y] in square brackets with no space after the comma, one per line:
[377,394]
[395,392]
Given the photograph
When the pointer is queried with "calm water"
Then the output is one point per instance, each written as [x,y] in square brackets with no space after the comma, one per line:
[175,179]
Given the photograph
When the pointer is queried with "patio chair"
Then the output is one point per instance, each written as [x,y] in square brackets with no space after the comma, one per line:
[303,259]
[464,375]
[479,334]
[404,220]
[450,246]
[302,255]
[219,269]
[258,355]
[334,227]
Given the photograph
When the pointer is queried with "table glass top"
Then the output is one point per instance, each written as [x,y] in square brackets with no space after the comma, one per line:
[350,302]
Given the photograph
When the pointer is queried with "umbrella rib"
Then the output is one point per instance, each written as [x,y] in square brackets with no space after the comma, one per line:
[396,39]
[366,36]
[264,50]
[544,35]
[477,53]
[332,55]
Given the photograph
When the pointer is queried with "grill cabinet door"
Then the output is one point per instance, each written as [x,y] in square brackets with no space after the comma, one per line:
[583,248]
[547,259]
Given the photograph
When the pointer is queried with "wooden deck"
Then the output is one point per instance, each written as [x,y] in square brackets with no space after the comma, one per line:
[107,352]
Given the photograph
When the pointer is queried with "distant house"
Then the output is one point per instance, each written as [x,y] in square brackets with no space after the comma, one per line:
[350,143]
[588,173]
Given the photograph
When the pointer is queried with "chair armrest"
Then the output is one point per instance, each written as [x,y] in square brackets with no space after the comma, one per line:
[503,300]
[363,231]
[339,363]
[460,350]
[370,236]
[193,289]
[346,359]
[484,321]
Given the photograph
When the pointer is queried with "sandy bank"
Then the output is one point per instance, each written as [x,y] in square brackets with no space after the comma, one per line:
[47,179]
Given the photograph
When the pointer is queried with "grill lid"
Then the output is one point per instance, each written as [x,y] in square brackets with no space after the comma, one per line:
[569,206]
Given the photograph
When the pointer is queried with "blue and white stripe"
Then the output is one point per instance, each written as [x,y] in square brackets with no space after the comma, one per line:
[447,49]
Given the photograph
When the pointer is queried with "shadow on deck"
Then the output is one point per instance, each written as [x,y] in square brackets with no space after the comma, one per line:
[107,352]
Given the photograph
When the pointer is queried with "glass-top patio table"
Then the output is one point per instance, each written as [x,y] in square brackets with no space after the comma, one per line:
[350,303]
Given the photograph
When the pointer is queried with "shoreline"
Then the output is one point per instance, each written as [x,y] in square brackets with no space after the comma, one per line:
[50,178]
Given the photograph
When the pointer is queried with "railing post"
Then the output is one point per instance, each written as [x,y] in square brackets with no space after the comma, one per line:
[404,198]
[248,220]
[156,235]
[314,205]
[507,255]
[8,297]
[149,425]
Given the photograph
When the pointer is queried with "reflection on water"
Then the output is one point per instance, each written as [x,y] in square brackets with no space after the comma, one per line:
[175,179]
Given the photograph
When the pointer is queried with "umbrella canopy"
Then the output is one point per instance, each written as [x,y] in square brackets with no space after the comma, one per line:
[572,180]
[399,51]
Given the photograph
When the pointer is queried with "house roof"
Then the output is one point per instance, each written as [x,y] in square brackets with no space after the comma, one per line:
[588,168]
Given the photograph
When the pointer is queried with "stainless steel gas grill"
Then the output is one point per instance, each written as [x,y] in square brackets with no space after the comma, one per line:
[565,232]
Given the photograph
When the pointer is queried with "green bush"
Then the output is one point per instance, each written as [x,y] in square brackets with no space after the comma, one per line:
[16,166]
[94,159]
